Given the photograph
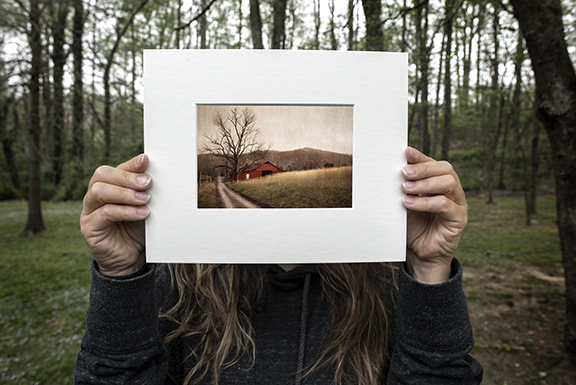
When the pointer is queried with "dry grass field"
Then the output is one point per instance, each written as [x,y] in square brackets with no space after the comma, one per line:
[320,188]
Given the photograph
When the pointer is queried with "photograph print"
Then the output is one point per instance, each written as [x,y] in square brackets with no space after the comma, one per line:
[274,156]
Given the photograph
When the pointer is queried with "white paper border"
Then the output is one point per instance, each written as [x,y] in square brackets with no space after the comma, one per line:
[375,83]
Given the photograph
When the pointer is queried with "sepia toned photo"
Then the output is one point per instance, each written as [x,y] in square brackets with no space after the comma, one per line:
[274,156]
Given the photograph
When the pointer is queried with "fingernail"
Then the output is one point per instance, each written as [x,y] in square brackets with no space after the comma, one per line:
[142,211]
[142,196]
[143,180]
[409,200]
[409,170]
[139,160]
[408,185]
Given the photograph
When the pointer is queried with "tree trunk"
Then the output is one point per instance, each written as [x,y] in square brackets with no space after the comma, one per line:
[316,24]
[78,88]
[332,27]
[541,25]
[107,68]
[422,59]
[256,24]
[494,120]
[35,222]
[532,177]
[374,32]
[351,25]
[202,25]
[279,27]
[59,60]
[447,131]
[434,145]
[7,139]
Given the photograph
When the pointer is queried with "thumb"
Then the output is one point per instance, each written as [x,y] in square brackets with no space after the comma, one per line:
[137,164]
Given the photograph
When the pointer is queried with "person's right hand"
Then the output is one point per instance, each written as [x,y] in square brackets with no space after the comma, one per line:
[113,213]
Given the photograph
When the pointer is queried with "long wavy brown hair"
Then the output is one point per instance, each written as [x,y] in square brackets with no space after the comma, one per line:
[216,302]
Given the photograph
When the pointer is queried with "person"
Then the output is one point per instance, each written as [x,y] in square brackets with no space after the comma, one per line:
[364,323]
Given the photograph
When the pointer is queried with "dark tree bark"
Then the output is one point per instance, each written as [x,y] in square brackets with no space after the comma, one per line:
[350,25]
[256,24]
[7,139]
[374,32]
[434,144]
[35,222]
[203,27]
[494,118]
[279,24]
[78,88]
[422,59]
[541,25]
[447,130]
[332,27]
[316,24]
[58,60]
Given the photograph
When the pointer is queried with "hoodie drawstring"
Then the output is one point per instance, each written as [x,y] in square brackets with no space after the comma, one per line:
[303,321]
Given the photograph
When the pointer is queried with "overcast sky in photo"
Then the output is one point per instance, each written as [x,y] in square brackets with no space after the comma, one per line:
[285,128]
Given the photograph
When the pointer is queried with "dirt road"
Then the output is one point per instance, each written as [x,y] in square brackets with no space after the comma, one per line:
[231,199]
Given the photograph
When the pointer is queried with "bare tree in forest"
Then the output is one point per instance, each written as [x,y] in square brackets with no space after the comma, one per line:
[447,131]
[35,222]
[542,27]
[422,60]
[121,29]
[256,24]
[78,88]
[237,141]
[279,23]
[493,123]
[59,12]
[374,32]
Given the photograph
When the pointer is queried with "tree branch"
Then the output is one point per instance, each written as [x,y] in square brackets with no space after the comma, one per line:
[195,17]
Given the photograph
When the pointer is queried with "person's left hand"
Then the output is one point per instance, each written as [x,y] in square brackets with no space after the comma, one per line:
[437,216]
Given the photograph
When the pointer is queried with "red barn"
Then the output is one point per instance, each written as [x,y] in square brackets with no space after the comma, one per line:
[257,170]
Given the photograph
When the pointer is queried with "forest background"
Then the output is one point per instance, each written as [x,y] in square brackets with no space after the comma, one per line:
[71,86]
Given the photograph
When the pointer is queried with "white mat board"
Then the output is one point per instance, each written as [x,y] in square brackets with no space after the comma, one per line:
[375,84]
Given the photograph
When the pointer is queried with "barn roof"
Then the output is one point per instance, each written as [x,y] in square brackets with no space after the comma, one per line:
[255,166]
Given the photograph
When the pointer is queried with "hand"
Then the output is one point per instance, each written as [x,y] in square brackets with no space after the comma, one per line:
[437,216]
[113,213]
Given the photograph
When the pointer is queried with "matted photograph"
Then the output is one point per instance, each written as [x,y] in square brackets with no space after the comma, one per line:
[273,156]
[264,156]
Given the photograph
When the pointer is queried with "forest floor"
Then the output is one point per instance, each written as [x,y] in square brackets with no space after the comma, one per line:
[514,284]
[513,281]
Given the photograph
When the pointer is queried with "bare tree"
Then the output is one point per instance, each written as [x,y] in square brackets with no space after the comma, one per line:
[236,141]
[541,24]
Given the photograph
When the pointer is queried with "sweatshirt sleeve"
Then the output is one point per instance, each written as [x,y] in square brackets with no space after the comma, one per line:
[433,334]
[122,344]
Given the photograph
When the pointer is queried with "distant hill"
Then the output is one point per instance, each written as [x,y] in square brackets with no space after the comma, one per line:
[295,160]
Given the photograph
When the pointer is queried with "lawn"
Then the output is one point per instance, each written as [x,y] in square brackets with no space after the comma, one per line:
[513,281]
[44,283]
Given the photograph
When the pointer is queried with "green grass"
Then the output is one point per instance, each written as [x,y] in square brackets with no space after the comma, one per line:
[44,283]
[207,196]
[498,232]
[321,188]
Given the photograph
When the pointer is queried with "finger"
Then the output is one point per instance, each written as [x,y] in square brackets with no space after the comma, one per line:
[137,164]
[103,193]
[120,177]
[102,217]
[427,170]
[441,205]
[445,184]
[415,156]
